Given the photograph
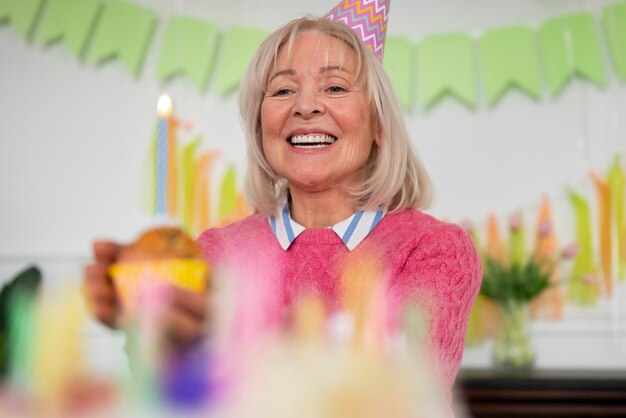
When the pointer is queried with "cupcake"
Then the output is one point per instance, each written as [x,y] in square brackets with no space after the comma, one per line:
[159,255]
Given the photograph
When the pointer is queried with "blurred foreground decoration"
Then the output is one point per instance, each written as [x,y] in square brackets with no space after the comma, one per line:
[17,296]
[309,363]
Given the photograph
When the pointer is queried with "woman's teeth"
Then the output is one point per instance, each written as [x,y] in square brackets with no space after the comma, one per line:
[311,141]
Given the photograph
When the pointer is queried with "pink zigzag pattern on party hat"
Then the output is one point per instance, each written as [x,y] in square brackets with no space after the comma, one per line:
[368,19]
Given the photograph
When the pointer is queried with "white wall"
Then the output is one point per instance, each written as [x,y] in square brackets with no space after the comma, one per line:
[73,137]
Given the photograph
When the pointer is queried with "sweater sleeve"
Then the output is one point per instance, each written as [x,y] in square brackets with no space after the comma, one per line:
[442,275]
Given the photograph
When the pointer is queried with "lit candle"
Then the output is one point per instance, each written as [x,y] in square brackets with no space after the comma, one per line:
[164,112]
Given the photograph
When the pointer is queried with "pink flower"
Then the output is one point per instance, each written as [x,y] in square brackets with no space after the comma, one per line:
[515,222]
[570,251]
[589,279]
[545,228]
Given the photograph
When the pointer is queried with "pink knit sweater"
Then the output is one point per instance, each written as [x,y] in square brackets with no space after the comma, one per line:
[422,259]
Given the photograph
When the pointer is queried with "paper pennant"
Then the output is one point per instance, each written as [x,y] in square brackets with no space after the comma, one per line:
[189,49]
[228,193]
[188,168]
[238,47]
[614,22]
[604,230]
[509,58]
[68,19]
[616,183]
[124,31]
[21,14]
[570,46]
[445,65]
[398,65]
[582,289]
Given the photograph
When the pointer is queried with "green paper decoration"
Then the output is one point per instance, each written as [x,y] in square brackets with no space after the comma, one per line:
[616,182]
[570,46]
[584,265]
[188,48]
[239,45]
[188,166]
[509,58]
[124,31]
[71,20]
[445,65]
[614,22]
[228,193]
[398,65]
[22,14]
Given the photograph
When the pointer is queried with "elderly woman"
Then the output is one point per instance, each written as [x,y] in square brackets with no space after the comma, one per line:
[333,178]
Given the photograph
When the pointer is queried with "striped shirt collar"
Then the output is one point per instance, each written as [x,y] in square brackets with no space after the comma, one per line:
[351,230]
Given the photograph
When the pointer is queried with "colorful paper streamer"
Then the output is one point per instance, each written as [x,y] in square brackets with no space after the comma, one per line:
[582,288]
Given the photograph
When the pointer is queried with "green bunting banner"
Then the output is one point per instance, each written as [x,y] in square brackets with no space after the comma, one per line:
[398,64]
[69,20]
[614,21]
[445,65]
[21,14]
[514,57]
[509,57]
[124,31]
[239,45]
[189,48]
[570,46]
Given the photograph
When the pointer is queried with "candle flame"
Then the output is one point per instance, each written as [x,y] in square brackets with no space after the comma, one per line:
[164,106]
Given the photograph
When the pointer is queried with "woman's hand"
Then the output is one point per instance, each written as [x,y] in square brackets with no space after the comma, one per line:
[183,321]
[98,289]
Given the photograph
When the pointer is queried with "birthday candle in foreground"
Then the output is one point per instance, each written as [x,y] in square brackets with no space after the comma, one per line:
[164,111]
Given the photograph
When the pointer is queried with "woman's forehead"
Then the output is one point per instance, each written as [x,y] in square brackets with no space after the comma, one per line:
[317,47]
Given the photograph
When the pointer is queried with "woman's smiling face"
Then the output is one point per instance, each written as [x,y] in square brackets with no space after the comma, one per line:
[317,123]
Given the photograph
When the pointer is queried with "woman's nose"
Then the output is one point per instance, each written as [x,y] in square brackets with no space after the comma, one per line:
[307,105]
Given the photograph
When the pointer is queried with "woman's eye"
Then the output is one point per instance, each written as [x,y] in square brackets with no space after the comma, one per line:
[336,89]
[281,92]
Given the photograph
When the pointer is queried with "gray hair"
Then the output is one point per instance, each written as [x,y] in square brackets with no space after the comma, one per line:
[394,176]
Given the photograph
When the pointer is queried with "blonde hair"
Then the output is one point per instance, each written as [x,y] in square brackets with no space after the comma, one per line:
[394,176]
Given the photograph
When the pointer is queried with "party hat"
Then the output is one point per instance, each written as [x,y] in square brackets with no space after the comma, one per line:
[367,18]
